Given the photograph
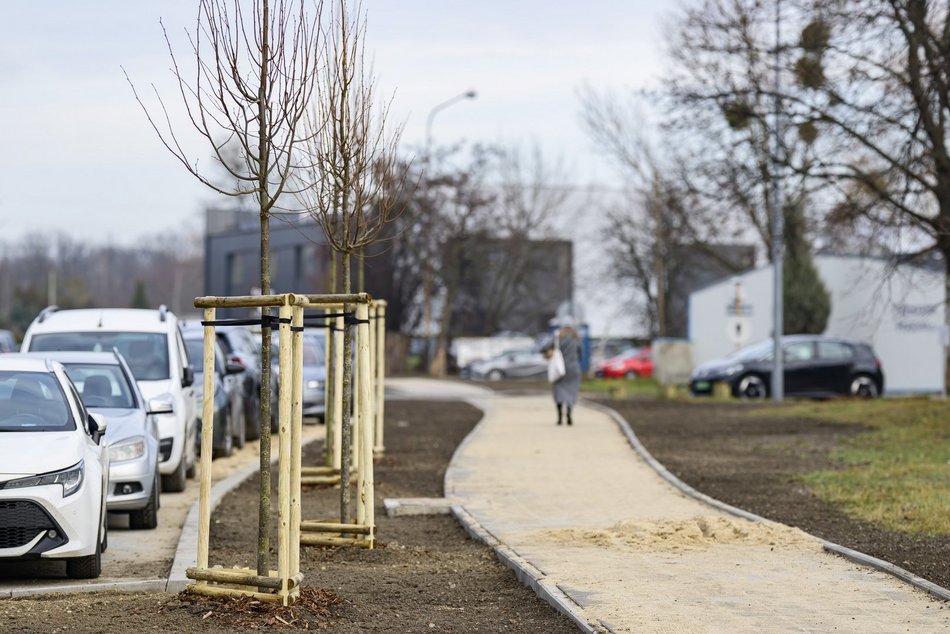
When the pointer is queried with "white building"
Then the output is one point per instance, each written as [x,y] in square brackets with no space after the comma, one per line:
[898,310]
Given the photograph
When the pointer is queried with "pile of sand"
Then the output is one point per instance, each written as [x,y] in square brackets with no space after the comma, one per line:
[698,533]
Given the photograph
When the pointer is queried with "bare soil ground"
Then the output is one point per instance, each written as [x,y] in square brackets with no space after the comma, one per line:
[427,575]
[756,464]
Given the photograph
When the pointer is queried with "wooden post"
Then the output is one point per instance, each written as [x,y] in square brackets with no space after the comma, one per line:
[285,355]
[207,437]
[338,391]
[364,380]
[357,333]
[329,397]
[296,431]
[379,446]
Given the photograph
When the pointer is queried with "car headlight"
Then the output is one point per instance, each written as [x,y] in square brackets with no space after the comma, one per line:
[128,449]
[732,369]
[70,478]
[314,385]
[617,366]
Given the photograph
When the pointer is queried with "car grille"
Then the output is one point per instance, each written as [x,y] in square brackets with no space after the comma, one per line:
[21,521]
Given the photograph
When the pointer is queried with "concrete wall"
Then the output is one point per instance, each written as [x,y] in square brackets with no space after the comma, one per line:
[899,311]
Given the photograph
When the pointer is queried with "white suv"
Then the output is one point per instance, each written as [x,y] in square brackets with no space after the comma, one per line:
[151,343]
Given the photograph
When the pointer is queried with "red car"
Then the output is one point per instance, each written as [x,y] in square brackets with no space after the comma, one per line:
[628,364]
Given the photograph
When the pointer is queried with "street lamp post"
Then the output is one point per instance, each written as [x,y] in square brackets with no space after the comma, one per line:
[427,259]
[778,221]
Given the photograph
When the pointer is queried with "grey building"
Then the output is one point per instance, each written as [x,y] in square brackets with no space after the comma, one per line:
[299,255]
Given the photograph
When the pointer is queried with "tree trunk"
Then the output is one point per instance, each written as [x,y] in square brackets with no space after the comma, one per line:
[346,440]
[328,412]
[263,514]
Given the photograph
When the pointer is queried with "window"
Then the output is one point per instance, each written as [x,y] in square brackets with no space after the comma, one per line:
[834,351]
[145,352]
[33,401]
[800,351]
[234,268]
[101,385]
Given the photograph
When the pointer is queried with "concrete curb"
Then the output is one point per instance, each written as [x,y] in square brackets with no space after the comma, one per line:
[140,585]
[852,555]
[527,573]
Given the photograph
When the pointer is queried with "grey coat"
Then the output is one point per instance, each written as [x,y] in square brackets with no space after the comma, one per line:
[566,388]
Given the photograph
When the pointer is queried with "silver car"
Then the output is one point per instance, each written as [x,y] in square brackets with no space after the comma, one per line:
[314,373]
[509,364]
[107,387]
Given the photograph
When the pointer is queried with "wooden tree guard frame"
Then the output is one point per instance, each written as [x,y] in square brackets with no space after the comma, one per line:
[362,533]
[329,472]
[283,585]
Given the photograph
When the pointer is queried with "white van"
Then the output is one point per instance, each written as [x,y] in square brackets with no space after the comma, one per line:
[152,346]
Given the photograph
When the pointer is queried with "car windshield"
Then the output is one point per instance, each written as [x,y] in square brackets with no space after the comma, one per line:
[33,401]
[145,352]
[756,352]
[101,385]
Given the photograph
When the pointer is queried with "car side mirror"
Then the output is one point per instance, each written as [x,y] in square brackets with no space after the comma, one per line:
[160,406]
[187,376]
[97,427]
[233,368]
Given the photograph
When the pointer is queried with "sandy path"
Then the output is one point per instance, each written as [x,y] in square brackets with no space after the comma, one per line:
[637,555]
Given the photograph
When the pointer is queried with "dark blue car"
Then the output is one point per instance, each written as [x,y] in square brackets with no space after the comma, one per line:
[814,366]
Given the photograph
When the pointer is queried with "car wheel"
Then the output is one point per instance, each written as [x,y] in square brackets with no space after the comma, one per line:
[227,449]
[751,387]
[88,567]
[253,419]
[496,375]
[240,430]
[175,482]
[146,518]
[863,386]
[630,374]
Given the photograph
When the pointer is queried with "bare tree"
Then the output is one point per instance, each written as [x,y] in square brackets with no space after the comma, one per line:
[254,73]
[348,188]
[876,76]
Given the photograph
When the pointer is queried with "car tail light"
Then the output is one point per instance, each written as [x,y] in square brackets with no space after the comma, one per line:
[237,360]
[877,362]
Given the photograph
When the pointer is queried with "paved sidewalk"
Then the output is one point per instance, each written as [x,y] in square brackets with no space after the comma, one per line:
[635,554]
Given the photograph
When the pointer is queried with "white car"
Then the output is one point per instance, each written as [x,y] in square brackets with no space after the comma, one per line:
[54,469]
[151,343]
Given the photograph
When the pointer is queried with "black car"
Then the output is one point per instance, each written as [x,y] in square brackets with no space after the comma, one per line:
[228,408]
[239,346]
[814,366]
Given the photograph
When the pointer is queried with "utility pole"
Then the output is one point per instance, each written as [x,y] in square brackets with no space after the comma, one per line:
[428,253]
[778,222]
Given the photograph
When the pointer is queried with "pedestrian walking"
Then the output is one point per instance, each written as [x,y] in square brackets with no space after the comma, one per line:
[566,388]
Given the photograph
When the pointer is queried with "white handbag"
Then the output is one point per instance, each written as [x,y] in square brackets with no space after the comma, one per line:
[556,368]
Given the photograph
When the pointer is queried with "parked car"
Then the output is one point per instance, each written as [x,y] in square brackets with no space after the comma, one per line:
[107,387]
[228,407]
[240,346]
[314,374]
[629,364]
[151,343]
[516,364]
[7,341]
[53,469]
[814,366]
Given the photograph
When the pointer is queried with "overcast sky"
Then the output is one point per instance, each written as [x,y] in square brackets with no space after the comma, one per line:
[78,154]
